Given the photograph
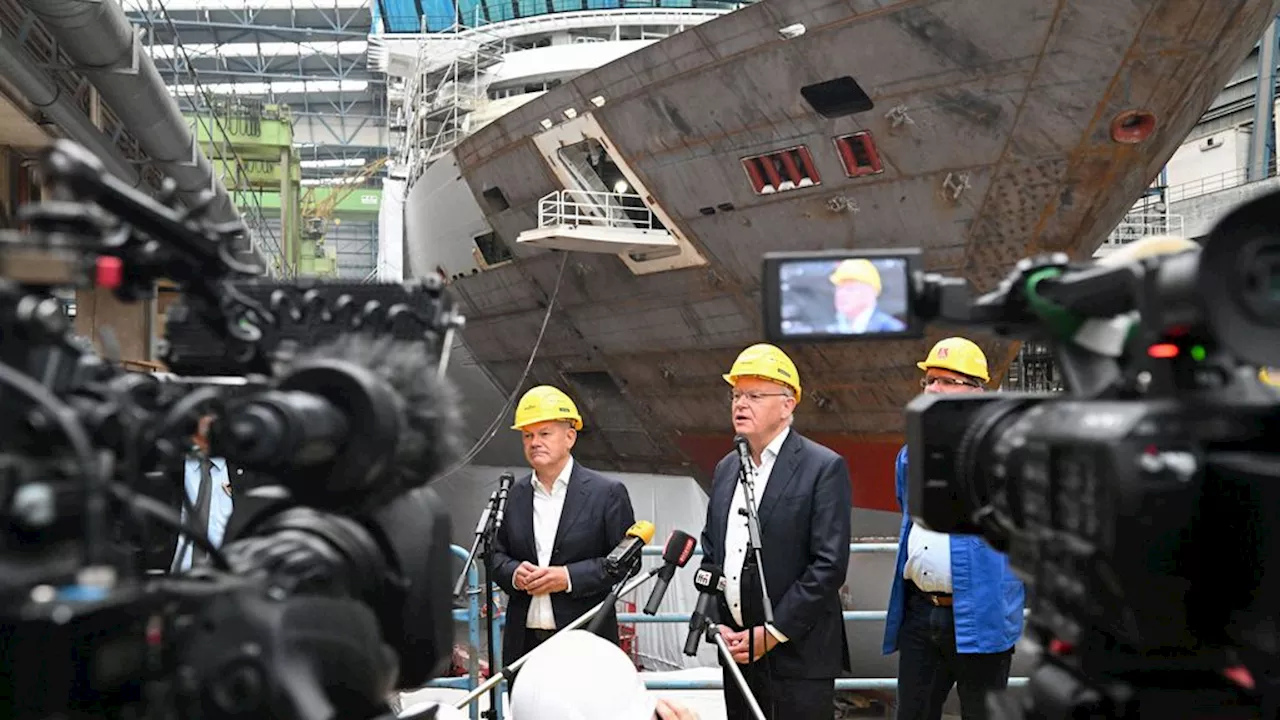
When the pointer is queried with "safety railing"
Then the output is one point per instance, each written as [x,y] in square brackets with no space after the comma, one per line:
[472,617]
[1206,185]
[1136,226]
[592,207]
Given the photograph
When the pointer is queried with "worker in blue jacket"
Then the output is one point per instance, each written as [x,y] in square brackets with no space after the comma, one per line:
[955,610]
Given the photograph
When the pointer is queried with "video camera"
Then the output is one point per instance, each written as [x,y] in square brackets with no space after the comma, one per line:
[1141,507]
[330,597]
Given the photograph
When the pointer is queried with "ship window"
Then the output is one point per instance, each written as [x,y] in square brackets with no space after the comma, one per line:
[858,154]
[838,97]
[492,249]
[781,170]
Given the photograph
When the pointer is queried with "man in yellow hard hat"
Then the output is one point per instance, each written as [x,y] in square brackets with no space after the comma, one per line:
[857,295]
[954,583]
[804,499]
[562,520]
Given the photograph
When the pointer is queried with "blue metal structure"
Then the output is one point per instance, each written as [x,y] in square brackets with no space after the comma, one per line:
[412,16]
[1262,142]
[472,617]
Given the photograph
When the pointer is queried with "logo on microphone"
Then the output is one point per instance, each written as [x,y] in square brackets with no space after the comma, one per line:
[702,577]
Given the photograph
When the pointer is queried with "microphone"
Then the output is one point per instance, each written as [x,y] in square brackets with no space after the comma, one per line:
[351,424]
[504,487]
[623,557]
[676,554]
[710,583]
[744,452]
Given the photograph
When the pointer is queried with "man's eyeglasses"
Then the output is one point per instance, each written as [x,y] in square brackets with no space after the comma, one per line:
[753,397]
[947,382]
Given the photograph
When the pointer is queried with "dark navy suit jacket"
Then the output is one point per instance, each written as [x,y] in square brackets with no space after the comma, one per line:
[597,513]
[804,527]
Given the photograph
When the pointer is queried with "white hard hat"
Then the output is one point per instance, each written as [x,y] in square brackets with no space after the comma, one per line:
[579,676]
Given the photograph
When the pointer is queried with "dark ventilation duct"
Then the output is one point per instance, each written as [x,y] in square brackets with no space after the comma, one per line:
[102,42]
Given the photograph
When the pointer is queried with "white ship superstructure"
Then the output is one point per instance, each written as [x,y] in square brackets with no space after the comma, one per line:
[461,72]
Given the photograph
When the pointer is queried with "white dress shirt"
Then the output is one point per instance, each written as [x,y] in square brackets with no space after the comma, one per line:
[736,535]
[547,508]
[928,559]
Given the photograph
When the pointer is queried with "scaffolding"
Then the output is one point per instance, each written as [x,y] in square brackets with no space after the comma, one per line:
[436,102]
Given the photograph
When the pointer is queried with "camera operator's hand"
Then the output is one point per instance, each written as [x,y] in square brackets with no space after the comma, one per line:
[523,574]
[668,710]
[548,580]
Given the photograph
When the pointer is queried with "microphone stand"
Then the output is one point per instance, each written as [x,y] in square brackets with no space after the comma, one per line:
[583,619]
[486,528]
[713,635]
[754,545]
[612,598]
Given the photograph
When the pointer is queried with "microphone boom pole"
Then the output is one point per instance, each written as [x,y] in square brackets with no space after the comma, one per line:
[713,633]
[583,619]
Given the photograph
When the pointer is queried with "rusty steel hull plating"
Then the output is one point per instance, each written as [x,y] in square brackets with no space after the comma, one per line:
[1003,128]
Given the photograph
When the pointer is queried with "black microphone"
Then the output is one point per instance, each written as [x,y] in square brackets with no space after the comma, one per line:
[676,554]
[744,452]
[504,487]
[623,557]
[710,583]
[351,424]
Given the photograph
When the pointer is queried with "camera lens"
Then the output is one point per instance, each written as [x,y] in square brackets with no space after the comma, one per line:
[1260,271]
[983,456]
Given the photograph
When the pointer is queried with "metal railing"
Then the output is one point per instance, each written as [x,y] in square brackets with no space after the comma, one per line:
[472,617]
[1139,225]
[592,207]
[1204,186]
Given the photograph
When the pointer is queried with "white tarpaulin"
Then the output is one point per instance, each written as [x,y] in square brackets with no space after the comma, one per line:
[391,231]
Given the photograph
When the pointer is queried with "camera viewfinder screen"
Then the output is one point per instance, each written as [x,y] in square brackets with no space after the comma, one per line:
[843,296]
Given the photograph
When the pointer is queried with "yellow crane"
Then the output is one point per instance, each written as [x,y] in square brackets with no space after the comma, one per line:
[317,209]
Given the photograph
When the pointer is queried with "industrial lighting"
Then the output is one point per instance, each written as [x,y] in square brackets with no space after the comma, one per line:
[621,186]
[570,113]
[598,101]
[546,123]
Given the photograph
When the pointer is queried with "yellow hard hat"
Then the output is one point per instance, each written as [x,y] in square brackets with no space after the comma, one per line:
[765,361]
[957,355]
[1270,376]
[544,403]
[857,270]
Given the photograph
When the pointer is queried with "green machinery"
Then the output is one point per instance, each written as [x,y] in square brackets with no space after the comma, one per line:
[250,143]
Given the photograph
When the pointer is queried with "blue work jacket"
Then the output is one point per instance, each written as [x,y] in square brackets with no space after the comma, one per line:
[989,598]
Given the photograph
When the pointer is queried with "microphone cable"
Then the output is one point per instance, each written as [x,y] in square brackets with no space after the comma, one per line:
[492,429]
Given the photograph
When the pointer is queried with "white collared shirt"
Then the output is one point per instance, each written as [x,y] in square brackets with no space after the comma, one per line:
[928,559]
[736,535]
[547,508]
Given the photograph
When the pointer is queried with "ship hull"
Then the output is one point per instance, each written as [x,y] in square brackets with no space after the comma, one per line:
[995,140]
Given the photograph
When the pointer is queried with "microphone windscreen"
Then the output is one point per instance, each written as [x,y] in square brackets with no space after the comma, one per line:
[709,578]
[431,426]
[679,548]
[643,529]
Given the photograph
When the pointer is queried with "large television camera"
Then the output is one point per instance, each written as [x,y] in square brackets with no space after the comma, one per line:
[1141,507]
[329,596]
